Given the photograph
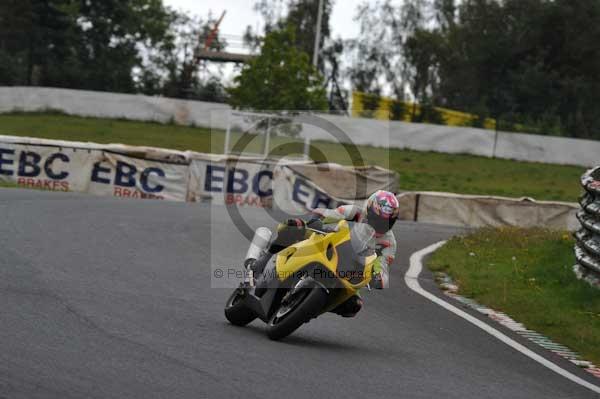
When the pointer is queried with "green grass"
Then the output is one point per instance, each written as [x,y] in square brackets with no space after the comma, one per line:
[431,171]
[527,273]
[63,127]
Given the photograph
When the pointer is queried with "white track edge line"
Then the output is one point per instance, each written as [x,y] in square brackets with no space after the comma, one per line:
[411,279]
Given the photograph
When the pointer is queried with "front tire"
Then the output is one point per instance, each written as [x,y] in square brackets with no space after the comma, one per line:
[236,312]
[305,305]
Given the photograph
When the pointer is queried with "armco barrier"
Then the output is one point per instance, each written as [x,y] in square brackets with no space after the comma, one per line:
[414,136]
[587,248]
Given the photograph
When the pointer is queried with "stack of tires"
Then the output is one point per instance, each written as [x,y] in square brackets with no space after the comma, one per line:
[587,248]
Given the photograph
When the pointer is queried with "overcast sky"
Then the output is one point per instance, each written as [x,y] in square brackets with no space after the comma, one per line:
[240,14]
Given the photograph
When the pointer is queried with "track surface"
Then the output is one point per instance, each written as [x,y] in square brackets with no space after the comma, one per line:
[107,298]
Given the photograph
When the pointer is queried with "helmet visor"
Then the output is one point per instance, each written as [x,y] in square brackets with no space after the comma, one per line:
[380,224]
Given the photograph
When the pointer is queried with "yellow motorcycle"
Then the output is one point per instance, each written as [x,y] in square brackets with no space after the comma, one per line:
[303,281]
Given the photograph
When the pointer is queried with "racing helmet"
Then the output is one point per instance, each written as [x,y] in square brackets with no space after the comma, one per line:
[382,211]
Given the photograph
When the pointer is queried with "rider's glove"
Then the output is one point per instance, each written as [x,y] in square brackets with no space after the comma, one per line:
[377,281]
[296,222]
[315,222]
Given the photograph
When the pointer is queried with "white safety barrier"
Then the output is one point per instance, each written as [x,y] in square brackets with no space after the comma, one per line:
[486,211]
[361,131]
[108,105]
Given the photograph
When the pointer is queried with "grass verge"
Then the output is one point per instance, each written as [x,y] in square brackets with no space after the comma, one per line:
[427,171]
[527,273]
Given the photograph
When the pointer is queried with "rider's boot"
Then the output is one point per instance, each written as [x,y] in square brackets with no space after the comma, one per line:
[350,307]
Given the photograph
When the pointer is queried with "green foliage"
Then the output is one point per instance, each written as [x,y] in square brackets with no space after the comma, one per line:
[33,41]
[109,45]
[527,273]
[373,49]
[422,52]
[529,62]
[171,69]
[280,78]
[395,44]
[301,17]
[86,45]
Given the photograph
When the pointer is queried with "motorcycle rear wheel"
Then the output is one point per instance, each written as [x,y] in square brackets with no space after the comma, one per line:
[306,304]
[236,312]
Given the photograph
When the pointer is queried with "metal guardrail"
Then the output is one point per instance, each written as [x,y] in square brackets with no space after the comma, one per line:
[587,247]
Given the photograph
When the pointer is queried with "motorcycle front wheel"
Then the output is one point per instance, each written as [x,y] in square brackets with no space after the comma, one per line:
[296,308]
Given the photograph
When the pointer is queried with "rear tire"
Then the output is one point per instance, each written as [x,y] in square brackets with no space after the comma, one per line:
[312,300]
[236,312]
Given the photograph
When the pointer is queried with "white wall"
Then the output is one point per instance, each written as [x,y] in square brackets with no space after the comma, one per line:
[421,137]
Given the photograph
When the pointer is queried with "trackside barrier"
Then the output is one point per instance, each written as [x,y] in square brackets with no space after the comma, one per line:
[154,173]
[486,211]
[587,247]
[290,185]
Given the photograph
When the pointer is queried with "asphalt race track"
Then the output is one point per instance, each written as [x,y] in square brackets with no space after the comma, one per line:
[109,298]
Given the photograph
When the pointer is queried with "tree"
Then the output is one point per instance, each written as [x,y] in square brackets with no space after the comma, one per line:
[531,64]
[374,50]
[171,69]
[301,16]
[113,34]
[381,51]
[422,52]
[78,44]
[35,39]
[280,78]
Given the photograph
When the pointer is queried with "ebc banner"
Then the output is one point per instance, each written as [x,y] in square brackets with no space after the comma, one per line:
[295,194]
[128,177]
[47,167]
[232,183]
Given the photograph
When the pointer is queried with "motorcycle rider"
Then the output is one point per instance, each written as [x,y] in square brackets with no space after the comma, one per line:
[373,224]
